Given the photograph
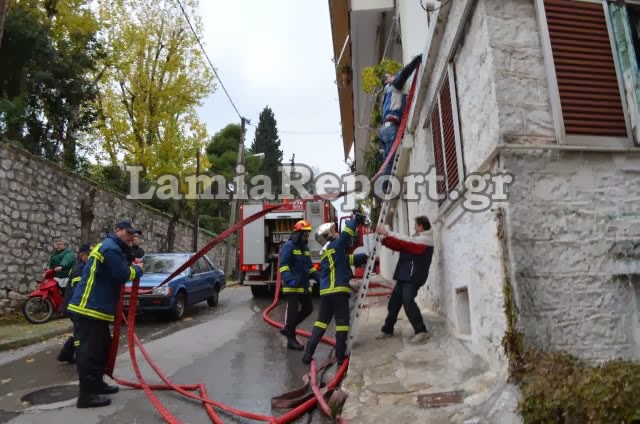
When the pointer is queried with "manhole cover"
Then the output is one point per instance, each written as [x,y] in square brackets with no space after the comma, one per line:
[436,400]
[52,394]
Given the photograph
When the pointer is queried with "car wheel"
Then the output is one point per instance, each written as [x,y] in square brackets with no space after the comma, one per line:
[177,312]
[213,299]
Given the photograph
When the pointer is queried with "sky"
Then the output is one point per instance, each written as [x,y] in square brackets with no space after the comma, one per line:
[276,53]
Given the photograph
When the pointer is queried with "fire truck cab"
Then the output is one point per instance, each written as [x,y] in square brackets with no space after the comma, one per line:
[260,241]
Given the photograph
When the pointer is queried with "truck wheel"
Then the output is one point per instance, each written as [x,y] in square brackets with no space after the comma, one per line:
[259,292]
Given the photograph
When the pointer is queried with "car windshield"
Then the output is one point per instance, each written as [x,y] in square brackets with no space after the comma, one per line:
[163,264]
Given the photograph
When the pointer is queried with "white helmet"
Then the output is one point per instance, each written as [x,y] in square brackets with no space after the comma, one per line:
[323,232]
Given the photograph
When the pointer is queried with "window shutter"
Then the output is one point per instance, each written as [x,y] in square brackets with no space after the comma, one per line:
[437,150]
[448,132]
[585,69]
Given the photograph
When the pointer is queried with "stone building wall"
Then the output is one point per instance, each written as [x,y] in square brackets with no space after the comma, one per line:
[575,236]
[465,280]
[573,218]
[40,202]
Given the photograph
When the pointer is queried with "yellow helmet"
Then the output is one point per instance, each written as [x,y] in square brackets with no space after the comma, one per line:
[302,226]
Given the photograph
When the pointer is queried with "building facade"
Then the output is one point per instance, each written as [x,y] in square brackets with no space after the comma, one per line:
[527,113]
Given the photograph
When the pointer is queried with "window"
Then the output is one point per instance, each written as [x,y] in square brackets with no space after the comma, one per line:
[585,65]
[447,145]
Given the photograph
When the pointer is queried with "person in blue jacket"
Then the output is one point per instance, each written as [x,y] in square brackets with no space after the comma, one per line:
[94,304]
[335,291]
[392,105]
[296,268]
[67,354]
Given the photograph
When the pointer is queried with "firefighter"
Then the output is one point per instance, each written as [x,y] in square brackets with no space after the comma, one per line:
[67,354]
[94,303]
[335,291]
[296,268]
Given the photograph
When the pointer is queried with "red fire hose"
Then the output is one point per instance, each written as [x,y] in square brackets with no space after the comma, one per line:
[187,390]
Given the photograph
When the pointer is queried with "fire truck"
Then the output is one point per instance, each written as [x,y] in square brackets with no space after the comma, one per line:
[260,241]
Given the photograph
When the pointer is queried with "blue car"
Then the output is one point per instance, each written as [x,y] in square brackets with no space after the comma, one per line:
[201,282]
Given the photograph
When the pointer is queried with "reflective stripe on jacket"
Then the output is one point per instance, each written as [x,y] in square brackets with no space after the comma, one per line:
[296,267]
[335,265]
[74,277]
[97,292]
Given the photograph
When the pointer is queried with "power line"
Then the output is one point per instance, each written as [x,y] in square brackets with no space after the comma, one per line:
[304,132]
[207,57]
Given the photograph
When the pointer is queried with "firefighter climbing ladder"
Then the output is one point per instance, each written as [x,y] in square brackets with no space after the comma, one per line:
[371,262]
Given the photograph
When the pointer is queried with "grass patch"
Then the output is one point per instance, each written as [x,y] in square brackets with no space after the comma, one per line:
[559,388]
[12,318]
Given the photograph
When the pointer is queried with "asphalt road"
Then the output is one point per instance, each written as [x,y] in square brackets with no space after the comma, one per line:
[242,360]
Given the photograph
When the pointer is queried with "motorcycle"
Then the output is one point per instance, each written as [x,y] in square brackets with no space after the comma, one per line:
[47,299]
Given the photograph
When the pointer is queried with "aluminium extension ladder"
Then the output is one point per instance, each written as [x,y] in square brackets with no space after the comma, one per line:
[370,267]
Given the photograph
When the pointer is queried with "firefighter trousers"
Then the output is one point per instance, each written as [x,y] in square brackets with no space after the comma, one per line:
[331,305]
[299,307]
[92,342]
[68,351]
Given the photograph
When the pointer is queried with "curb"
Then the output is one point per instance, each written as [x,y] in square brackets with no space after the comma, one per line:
[231,284]
[14,344]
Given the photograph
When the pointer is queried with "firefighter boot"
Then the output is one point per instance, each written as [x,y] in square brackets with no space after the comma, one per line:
[293,343]
[88,399]
[67,352]
[341,346]
[106,389]
[312,344]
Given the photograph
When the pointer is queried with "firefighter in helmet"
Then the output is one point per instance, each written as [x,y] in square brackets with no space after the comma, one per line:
[296,269]
[335,274]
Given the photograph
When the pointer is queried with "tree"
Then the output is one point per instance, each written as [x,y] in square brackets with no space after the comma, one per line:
[266,141]
[48,73]
[155,80]
[157,77]
[222,153]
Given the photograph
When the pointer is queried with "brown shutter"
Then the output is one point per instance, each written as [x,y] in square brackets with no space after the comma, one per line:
[437,150]
[585,69]
[450,151]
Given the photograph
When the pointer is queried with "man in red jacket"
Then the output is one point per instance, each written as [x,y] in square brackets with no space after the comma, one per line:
[410,274]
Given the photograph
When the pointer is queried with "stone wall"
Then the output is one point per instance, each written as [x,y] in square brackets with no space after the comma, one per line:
[521,89]
[40,202]
[466,266]
[573,219]
[575,224]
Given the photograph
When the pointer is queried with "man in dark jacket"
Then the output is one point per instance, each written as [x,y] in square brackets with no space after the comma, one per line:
[136,251]
[296,268]
[67,354]
[411,273]
[94,304]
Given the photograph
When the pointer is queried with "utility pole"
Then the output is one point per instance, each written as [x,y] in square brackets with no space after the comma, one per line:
[196,218]
[3,14]
[235,203]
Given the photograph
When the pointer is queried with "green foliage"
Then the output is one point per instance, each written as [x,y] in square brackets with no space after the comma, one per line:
[156,79]
[48,68]
[372,75]
[559,388]
[266,141]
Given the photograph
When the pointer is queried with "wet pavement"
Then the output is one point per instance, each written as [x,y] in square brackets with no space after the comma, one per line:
[242,360]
